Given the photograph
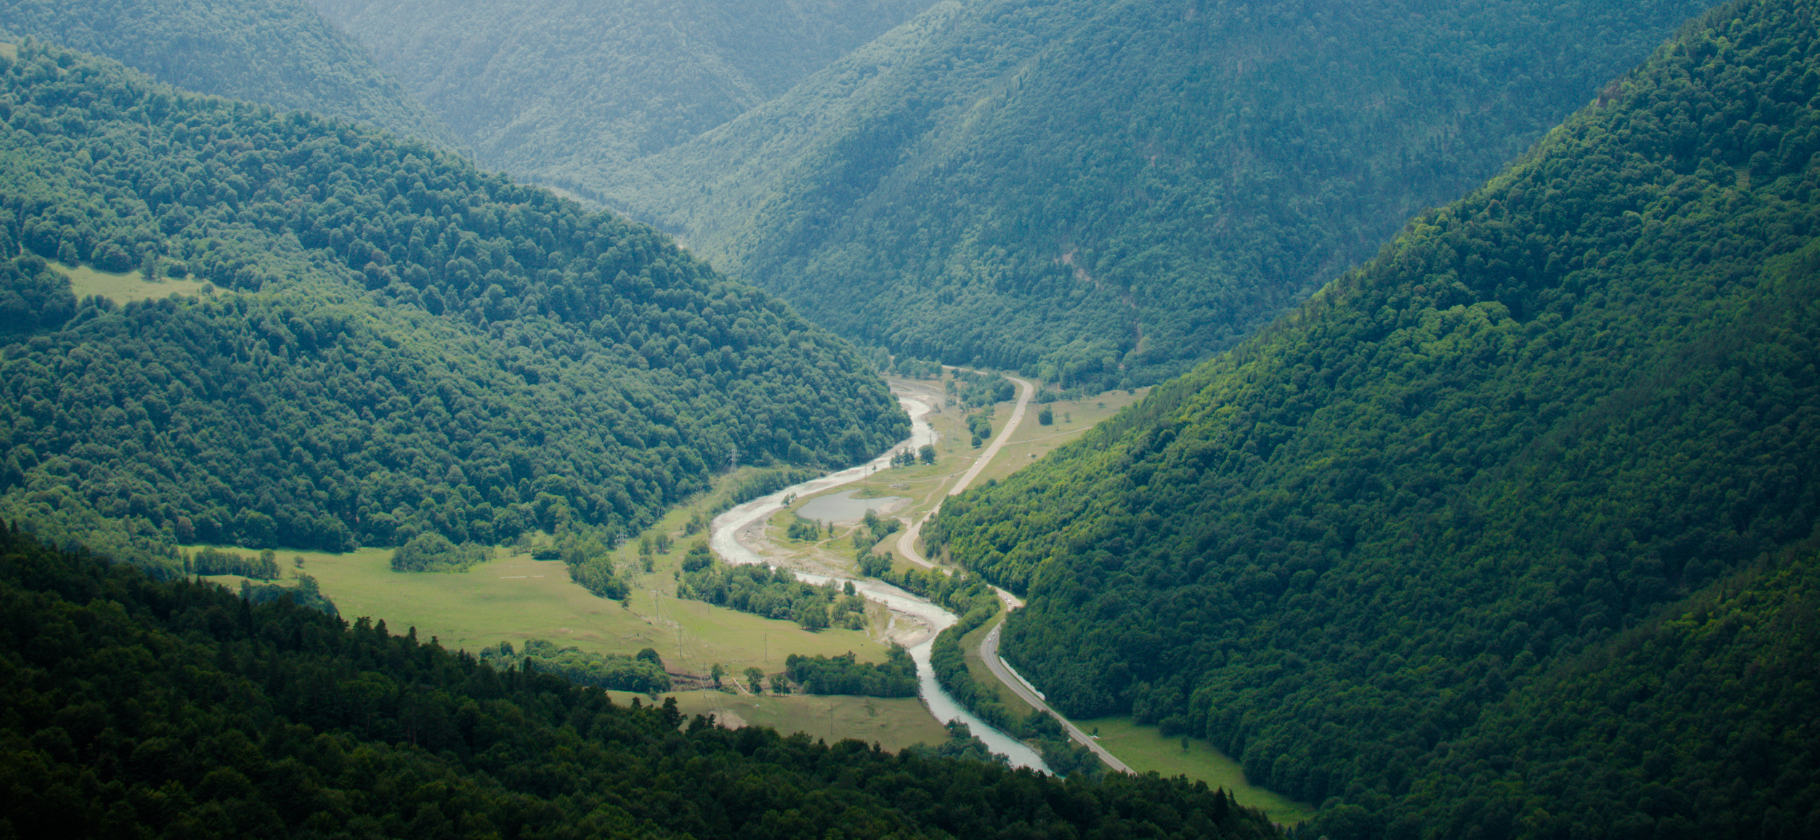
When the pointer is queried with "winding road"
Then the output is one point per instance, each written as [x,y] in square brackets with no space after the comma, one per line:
[906,542]
[988,651]
[728,530]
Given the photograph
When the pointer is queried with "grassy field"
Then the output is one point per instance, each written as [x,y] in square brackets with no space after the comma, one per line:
[1031,440]
[515,598]
[1146,749]
[927,484]
[124,287]
[892,723]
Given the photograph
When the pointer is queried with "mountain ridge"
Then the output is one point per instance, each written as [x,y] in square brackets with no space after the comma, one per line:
[1574,403]
[1103,195]
[281,54]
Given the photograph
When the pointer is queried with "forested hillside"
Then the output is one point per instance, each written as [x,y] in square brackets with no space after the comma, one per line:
[1103,192]
[1512,529]
[553,90]
[276,52]
[136,708]
[394,343]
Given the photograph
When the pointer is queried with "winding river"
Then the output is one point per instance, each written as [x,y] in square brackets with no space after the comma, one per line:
[727,536]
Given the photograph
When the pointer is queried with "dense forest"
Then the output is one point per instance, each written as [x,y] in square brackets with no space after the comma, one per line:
[1508,532]
[275,52]
[772,593]
[1103,193]
[845,674]
[643,672]
[390,343]
[176,709]
[544,90]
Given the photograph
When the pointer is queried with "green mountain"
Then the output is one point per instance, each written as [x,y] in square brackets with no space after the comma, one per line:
[173,709]
[1512,530]
[544,90]
[1107,192]
[276,52]
[389,343]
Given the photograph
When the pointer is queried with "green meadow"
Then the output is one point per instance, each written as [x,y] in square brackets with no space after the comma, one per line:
[1146,749]
[892,723]
[1031,440]
[514,598]
[125,287]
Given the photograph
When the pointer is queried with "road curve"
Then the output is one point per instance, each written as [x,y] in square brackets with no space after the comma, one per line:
[1025,391]
[906,545]
[989,653]
[906,541]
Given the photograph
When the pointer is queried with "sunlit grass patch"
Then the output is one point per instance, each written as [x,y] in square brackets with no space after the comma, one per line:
[1146,749]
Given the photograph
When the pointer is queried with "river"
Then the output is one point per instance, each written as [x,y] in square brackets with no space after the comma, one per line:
[725,537]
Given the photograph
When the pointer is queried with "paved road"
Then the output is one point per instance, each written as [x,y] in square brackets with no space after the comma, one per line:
[906,546]
[906,542]
[989,653]
[1025,391]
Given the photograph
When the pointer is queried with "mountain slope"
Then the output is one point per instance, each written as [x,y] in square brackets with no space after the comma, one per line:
[543,89]
[394,342]
[1394,523]
[281,54]
[1107,191]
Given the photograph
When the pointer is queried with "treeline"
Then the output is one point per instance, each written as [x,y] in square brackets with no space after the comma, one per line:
[214,561]
[981,390]
[959,593]
[279,53]
[139,707]
[306,593]
[772,593]
[1101,194]
[643,673]
[434,553]
[844,674]
[398,343]
[1538,421]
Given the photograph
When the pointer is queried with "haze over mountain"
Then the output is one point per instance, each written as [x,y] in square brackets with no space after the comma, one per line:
[547,90]
[1511,531]
[276,52]
[395,343]
[1103,193]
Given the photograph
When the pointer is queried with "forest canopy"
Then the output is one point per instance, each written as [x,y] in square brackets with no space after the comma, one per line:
[1104,193]
[1571,419]
[139,707]
[393,343]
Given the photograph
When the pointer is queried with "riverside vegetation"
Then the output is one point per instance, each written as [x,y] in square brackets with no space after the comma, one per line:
[1510,530]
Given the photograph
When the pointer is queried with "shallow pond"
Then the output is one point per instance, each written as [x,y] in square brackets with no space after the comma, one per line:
[842,507]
